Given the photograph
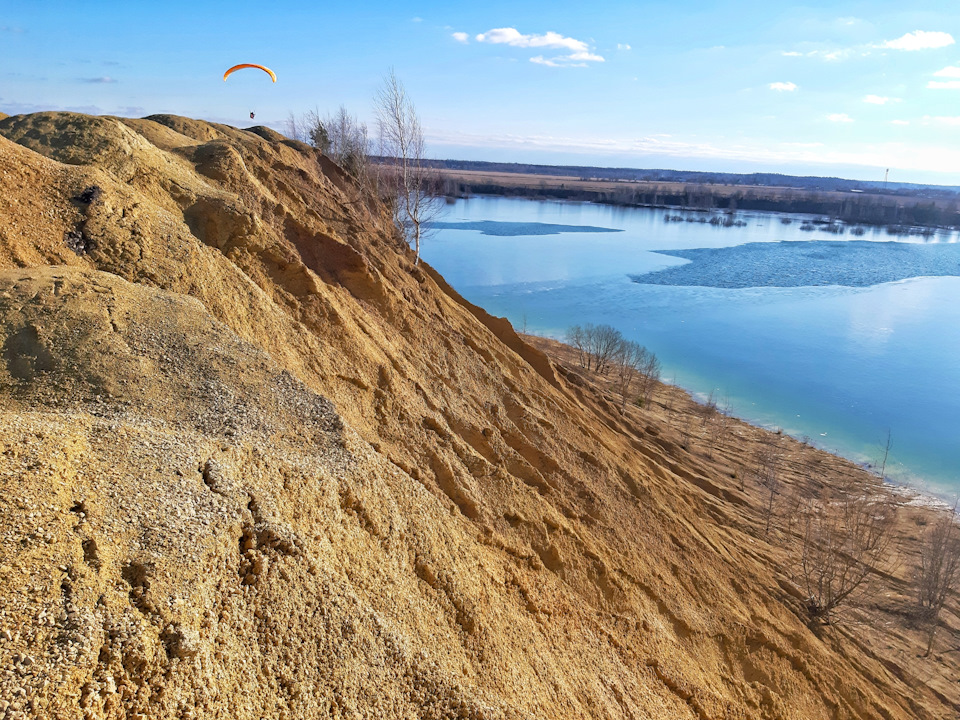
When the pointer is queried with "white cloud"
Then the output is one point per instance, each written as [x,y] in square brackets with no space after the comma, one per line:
[933,157]
[512,36]
[541,60]
[105,80]
[417,19]
[15,108]
[943,85]
[951,71]
[782,86]
[588,56]
[828,55]
[880,99]
[840,118]
[835,55]
[575,60]
[579,51]
[917,40]
[623,46]
[461,37]
[899,122]
[920,40]
[941,120]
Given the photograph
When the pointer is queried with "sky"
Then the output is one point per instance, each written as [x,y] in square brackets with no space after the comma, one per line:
[846,89]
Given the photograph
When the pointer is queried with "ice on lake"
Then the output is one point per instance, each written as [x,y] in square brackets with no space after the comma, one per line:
[517,229]
[849,263]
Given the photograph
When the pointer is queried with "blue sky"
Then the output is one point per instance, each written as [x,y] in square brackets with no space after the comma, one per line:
[826,88]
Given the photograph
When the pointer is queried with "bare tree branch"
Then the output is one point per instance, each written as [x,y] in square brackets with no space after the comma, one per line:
[410,186]
[846,536]
[939,566]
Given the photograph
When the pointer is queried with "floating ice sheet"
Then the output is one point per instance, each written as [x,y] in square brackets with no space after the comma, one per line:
[852,263]
[509,229]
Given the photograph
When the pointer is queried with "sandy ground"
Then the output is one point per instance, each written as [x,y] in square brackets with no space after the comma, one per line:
[254,463]
[883,616]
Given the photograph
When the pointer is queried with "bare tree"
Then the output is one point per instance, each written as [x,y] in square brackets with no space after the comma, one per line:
[768,475]
[939,564]
[707,409]
[649,369]
[341,137]
[293,129]
[634,363]
[846,536]
[410,185]
[886,455]
[310,129]
[670,398]
[630,361]
[348,143]
[605,343]
[598,345]
[577,337]
[718,426]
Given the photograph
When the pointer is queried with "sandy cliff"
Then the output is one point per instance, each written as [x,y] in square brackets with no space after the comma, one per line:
[257,465]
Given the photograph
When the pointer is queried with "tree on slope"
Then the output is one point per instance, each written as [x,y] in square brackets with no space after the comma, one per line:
[633,361]
[348,143]
[309,128]
[939,570]
[846,537]
[406,182]
[341,137]
[597,345]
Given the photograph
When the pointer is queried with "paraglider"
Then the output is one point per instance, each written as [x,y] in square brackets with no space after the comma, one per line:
[232,70]
[268,71]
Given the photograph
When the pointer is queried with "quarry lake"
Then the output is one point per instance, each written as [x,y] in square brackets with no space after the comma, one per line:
[833,336]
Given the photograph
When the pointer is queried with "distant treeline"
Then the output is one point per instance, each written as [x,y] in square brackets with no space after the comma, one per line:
[866,208]
[699,177]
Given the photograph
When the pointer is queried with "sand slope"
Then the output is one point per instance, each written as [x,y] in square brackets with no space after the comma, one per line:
[257,465]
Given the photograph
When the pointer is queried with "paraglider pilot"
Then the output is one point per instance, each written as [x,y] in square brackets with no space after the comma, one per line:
[268,71]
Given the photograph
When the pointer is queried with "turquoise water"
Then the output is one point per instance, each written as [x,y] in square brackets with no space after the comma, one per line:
[840,364]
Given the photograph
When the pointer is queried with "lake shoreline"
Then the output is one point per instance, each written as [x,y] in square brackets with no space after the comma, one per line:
[876,209]
[692,411]
[841,364]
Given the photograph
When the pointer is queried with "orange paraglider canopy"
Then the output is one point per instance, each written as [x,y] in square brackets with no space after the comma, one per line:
[267,70]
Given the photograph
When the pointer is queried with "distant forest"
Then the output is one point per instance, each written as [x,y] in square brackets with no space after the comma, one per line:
[699,177]
[897,205]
